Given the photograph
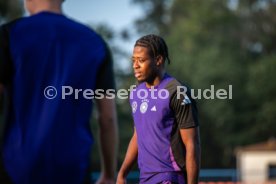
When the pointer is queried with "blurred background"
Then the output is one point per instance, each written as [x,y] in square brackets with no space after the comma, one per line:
[211,42]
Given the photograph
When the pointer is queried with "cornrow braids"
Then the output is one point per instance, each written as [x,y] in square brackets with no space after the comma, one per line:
[156,45]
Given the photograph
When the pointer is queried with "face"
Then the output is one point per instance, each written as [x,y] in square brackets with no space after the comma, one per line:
[144,66]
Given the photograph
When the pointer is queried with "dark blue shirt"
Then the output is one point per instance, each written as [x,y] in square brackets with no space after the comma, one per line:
[48,141]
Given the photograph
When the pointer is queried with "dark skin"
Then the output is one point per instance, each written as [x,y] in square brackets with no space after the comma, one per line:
[151,70]
[108,139]
[146,68]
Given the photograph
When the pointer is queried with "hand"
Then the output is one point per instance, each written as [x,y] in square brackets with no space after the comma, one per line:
[121,179]
[104,180]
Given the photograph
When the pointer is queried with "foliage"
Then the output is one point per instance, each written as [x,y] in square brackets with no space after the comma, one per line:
[211,42]
[10,10]
[214,43]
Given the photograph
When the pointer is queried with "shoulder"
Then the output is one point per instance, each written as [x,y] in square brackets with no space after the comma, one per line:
[5,32]
[179,92]
[175,85]
[8,25]
[84,30]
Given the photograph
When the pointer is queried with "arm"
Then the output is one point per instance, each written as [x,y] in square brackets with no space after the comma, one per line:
[130,159]
[187,119]
[191,140]
[108,139]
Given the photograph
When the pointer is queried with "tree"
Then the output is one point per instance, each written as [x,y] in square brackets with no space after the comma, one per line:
[10,10]
[156,16]
[214,43]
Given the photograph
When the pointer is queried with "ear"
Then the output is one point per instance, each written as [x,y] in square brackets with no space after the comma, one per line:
[159,60]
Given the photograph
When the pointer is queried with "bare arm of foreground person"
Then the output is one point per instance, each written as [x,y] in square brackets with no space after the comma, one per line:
[108,136]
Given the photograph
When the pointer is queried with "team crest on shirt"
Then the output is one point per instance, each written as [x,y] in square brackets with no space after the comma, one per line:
[144,106]
[134,106]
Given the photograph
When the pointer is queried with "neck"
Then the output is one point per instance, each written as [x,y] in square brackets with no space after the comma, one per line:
[48,7]
[156,80]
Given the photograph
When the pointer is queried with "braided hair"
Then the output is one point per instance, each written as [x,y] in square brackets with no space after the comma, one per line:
[156,46]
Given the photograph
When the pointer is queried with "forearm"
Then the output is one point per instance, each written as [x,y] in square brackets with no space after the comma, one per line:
[108,145]
[193,163]
[191,140]
[108,137]
[130,158]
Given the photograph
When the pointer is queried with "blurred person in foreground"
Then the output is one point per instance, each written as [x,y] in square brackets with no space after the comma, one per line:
[166,130]
[47,137]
